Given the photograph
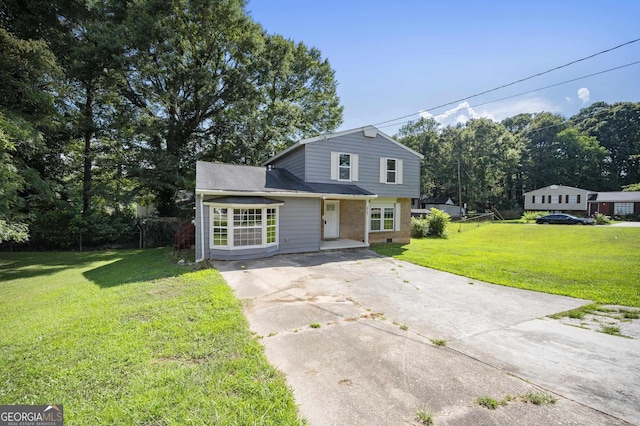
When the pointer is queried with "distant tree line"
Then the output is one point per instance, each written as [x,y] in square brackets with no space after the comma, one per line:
[103,103]
[597,149]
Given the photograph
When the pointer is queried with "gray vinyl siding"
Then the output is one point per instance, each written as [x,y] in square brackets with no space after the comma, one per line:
[369,150]
[299,225]
[243,254]
[202,226]
[298,232]
[293,162]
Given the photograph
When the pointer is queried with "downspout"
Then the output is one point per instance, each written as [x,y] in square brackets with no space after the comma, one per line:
[201,228]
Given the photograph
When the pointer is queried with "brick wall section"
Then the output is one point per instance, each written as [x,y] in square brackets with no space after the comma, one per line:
[404,235]
[352,219]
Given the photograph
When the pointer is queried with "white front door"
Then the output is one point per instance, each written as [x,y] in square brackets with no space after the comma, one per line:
[331,219]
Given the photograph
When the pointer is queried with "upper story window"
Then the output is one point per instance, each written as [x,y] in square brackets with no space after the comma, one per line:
[390,170]
[344,166]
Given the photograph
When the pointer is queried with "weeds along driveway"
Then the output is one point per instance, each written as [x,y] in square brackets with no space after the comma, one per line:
[357,336]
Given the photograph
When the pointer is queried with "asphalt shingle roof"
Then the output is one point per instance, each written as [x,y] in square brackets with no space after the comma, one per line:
[251,179]
[617,197]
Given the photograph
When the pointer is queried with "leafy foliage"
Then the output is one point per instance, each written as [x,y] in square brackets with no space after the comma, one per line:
[123,98]
[597,149]
[487,402]
[438,222]
[602,219]
[419,227]
[432,225]
[205,82]
[529,216]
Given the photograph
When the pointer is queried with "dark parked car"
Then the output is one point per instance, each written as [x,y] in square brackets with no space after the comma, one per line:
[564,219]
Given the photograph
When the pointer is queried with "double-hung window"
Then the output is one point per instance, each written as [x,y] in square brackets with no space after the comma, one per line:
[383,217]
[219,226]
[344,167]
[391,170]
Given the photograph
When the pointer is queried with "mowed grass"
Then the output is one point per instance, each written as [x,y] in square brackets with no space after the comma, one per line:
[600,263]
[128,337]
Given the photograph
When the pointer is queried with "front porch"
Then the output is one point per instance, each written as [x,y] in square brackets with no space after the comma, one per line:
[342,243]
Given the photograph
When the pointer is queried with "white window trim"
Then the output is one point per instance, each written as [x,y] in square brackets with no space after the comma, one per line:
[211,227]
[383,171]
[353,166]
[396,216]
[230,225]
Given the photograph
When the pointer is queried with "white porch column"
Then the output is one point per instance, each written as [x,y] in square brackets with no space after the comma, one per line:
[367,204]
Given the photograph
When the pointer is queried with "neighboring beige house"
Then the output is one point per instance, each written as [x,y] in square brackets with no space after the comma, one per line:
[558,198]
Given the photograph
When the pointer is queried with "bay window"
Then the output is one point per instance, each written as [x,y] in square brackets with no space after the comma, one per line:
[243,226]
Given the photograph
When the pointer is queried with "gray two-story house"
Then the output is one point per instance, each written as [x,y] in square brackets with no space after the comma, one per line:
[341,190]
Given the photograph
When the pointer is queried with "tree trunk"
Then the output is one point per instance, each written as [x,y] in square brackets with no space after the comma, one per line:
[88,157]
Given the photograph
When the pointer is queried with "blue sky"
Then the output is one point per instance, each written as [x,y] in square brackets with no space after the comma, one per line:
[394,58]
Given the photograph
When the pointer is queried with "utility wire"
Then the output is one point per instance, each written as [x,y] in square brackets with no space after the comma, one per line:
[524,93]
[514,82]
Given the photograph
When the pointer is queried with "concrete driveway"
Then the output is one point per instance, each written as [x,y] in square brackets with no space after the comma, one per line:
[356,335]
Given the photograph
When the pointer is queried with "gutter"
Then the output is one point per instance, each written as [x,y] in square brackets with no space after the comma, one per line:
[201,227]
[203,192]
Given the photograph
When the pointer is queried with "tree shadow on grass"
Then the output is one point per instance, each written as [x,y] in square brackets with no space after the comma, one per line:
[23,265]
[138,266]
[389,249]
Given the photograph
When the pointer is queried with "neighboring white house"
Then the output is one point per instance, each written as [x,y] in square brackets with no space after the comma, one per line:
[422,206]
[558,198]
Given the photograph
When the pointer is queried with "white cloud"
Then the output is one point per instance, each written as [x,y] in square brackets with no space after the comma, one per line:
[583,93]
[568,99]
[498,111]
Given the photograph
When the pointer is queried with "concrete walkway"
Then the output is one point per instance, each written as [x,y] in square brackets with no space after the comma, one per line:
[355,333]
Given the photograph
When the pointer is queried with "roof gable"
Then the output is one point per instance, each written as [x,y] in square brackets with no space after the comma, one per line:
[367,131]
[551,188]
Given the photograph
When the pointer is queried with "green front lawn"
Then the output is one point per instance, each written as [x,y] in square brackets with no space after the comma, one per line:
[127,337]
[599,263]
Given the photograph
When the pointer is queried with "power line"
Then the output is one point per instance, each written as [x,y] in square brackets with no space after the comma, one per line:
[524,93]
[514,82]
